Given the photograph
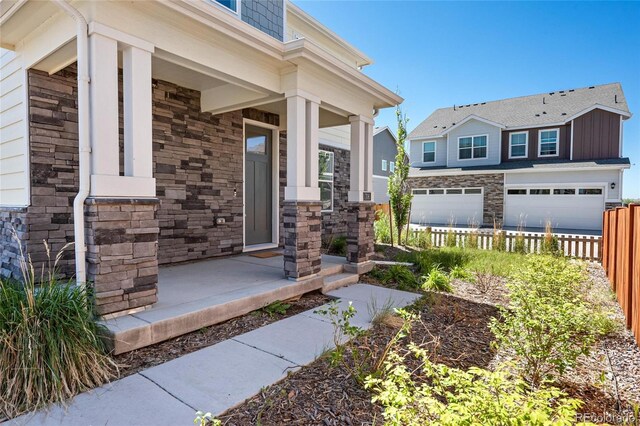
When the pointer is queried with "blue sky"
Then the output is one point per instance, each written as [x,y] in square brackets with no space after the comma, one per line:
[443,53]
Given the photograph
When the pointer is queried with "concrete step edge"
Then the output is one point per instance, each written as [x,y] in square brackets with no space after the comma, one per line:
[336,281]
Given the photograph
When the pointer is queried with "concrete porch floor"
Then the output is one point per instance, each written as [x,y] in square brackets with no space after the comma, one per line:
[200,294]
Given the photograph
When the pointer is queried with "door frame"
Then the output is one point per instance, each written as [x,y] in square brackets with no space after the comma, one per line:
[275,185]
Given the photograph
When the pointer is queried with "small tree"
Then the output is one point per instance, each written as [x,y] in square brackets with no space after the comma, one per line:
[399,191]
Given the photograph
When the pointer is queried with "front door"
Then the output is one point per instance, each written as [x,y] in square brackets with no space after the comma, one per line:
[258,188]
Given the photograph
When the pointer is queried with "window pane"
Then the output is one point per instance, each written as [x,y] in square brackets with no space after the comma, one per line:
[564,191]
[480,152]
[518,138]
[590,191]
[518,150]
[231,4]
[384,165]
[517,191]
[454,191]
[480,141]
[392,166]
[465,142]
[436,191]
[548,148]
[325,166]
[419,192]
[257,144]
[326,195]
[428,157]
[465,153]
[473,191]
[539,191]
[548,136]
[429,147]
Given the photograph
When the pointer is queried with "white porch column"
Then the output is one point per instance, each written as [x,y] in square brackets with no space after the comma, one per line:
[138,158]
[103,69]
[361,180]
[136,179]
[302,147]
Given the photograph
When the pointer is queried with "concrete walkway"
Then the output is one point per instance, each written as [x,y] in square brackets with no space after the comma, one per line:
[221,376]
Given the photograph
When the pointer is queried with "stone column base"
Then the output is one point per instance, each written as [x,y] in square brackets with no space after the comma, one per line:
[13,224]
[360,217]
[302,238]
[122,253]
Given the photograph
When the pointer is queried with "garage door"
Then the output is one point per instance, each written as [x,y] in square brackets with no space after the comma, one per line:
[457,206]
[565,207]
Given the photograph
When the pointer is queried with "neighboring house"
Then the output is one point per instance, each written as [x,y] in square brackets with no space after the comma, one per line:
[334,143]
[553,157]
[196,137]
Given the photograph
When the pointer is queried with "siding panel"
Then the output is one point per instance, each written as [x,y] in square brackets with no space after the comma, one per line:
[596,135]
[13,141]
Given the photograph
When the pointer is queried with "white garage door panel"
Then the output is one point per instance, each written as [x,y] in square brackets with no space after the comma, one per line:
[564,211]
[462,209]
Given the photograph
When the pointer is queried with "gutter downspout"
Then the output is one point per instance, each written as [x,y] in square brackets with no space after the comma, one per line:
[82,42]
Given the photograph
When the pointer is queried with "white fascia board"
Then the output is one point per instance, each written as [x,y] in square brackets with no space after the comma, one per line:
[382,129]
[473,117]
[444,172]
[602,107]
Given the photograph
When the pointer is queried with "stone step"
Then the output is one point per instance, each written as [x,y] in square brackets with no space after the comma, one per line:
[333,282]
[331,269]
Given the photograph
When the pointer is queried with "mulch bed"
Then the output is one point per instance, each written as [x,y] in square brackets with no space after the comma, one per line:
[140,359]
[454,329]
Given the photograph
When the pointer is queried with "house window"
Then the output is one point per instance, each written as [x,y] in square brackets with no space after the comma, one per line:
[590,191]
[428,152]
[518,145]
[564,191]
[548,143]
[472,147]
[539,191]
[229,4]
[454,191]
[419,192]
[516,191]
[384,165]
[325,179]
[473,191]
[392,166]
[436,191]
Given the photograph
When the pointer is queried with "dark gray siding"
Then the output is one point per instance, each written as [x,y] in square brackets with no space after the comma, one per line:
[384,148]
[265,15]
[596,135]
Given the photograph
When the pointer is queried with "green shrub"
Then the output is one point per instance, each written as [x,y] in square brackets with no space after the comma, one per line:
[471,240]
[499,241]
[519,245]
[402,276]
[381,230]
[276,308]
[548,323]
[446,396]
[338,246]
[458,272]
[51,346]
[450,239]
[437,280]
[423,239]
[444,258]
[551,246]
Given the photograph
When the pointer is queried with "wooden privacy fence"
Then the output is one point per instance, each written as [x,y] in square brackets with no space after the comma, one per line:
[621,260]
[383,208]
[579,246]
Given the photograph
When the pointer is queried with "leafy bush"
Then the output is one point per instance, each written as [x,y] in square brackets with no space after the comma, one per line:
[548,323]
[381,229]
[402,276]
[437,281]
[458,272]
[443,258]
[51,349]
[338,246]
[448,396]
[276,308]
[423,239]
[550,242]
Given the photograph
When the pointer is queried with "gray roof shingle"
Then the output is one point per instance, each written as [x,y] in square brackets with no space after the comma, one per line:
[534,110]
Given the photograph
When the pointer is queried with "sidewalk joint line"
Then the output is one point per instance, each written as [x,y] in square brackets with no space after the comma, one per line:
[295,364]
[164,389]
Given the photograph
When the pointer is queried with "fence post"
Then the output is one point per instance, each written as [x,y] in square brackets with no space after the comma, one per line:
[634,212]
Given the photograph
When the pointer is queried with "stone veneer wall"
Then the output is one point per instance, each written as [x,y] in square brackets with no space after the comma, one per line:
[13,223]
[302,229]
[198,159]
[493,185]
[122,253]
[360,236]
[334,223]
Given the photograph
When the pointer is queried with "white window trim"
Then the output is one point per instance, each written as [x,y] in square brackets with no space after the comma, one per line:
[557,154]
[526,145]
[332,181]
[384,165]
[225,8]
[435,150]
[472,157]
